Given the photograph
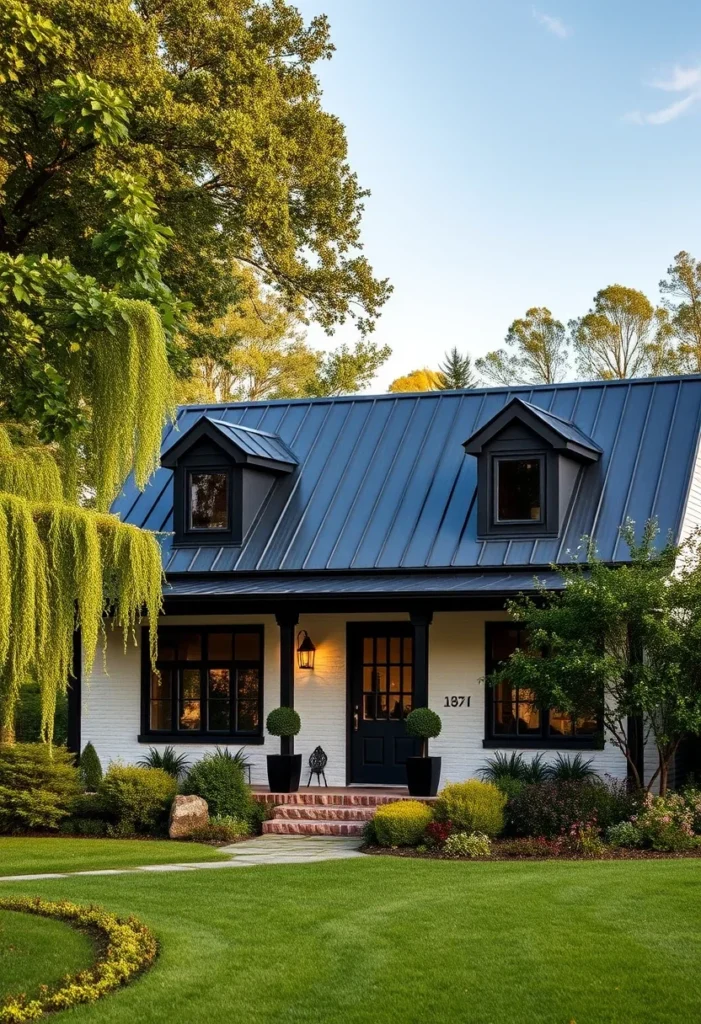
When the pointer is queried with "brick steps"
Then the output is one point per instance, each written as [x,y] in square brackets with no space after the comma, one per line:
[323,813]
[286,827]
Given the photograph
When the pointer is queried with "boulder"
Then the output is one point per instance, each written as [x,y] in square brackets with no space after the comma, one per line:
[186,813]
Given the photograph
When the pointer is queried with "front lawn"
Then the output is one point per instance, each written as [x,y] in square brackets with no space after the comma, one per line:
[37,951]
[382,940]
[24,856]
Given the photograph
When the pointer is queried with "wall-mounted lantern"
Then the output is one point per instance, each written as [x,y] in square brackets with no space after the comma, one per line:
[305,650]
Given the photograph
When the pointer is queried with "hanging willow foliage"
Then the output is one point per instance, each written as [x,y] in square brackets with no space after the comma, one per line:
[63,566]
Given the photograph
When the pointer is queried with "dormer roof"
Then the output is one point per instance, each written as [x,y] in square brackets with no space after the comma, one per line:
[562,435]
[243,444]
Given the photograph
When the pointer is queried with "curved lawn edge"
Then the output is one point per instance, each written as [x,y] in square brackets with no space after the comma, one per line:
[130,948]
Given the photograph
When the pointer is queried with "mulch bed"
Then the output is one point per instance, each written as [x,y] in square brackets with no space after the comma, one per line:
[410,852]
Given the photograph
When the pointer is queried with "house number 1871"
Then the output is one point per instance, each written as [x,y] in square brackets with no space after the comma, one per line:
[457,702]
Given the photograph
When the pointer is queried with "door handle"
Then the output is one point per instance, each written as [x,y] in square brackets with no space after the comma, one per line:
[355,719]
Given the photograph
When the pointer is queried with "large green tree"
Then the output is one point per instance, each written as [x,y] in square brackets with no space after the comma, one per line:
[125,125]
[681,291]
[537,352]
[622,335]
[455,371]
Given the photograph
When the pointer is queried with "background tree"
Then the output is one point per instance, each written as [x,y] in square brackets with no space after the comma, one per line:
[456,372]
[123,122]
[616,338]
[417,380]
[621,642]
[681,292]
[539,352]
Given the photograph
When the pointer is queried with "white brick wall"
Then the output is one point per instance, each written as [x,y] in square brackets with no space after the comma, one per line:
[111,702]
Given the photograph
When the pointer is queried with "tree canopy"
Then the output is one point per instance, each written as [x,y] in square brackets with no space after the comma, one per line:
[159,146]
[616,338]
[681,291]
[456,371]
[417,380]
[538,352]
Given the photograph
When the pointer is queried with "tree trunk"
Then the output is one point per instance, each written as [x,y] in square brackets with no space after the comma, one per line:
[7,734]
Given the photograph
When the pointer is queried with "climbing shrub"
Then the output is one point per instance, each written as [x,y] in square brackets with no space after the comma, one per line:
[137,799]
[402,823]
[129,947]
[37,787]
[472,806]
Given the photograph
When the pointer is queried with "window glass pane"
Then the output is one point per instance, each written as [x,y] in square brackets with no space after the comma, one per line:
[248,715]
[162,684]
[587,725]
[561,723]
[161,712]
[505,640]
[248,681]
[189,646]
[190,714]
[505,718]
[219,646]
[219,683]
[219,715]
[190,684]
[528,718]
[166,645]
[518,490]
[209,501]
[247,646]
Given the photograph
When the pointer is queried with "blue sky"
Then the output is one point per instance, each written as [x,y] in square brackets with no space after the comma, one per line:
[517,155]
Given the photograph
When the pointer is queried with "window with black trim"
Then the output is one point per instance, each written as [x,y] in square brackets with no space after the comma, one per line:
[208,500]
[209,682]
[513,717]
[518,489]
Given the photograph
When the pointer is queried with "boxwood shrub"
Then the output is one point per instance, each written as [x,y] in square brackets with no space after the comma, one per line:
[38,786]
[218,778]
[402,823]
[137,799]
[472,806]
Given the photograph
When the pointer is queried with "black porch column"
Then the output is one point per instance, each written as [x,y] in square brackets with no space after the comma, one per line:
[73,740]
[287,621]
[421,621]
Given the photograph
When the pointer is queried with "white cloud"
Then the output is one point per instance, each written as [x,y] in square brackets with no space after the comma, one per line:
[684,80]
[554,25]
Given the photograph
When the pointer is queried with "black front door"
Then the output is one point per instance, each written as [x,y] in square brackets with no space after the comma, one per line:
[381,678]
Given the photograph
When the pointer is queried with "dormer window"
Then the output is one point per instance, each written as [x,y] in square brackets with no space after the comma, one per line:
[528,464]
[208,500]
[222,475]
[518,490]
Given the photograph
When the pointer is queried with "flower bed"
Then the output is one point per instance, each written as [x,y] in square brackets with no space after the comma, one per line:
[129,947]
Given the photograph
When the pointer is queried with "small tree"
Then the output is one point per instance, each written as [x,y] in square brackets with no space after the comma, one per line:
[621,642]
[456,372]
[425,725]
[285,723]
[90,768]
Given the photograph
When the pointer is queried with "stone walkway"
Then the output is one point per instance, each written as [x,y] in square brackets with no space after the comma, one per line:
[248,854]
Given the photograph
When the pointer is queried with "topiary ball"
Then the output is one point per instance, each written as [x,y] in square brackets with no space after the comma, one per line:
[424,723]
[283,722]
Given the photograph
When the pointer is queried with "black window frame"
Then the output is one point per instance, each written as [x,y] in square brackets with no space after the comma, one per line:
[497,460]
[544,740]
[203,665]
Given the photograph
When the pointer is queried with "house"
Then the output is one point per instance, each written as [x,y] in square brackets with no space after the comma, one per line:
[388,532]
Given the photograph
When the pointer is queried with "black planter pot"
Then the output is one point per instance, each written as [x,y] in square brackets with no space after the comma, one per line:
[284,771]
[423,775]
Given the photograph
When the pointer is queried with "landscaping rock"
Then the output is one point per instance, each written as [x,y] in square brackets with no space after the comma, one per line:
[186,813]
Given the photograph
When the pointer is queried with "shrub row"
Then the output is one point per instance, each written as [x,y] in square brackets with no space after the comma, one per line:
[129,948]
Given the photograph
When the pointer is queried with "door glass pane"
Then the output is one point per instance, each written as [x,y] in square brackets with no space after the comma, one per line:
[367,650]
[407,648]
[381,677]
[382,705]
[407,703]
[395,679]
[189,646]
[369,681]
[395,705]
[219,646]
[209,501]
[247,646]
[382,648]
[369,707]
[408,679]
[395,645]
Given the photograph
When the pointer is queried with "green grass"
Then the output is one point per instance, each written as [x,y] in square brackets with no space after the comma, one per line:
[39,951]
[410,942]
[21,856]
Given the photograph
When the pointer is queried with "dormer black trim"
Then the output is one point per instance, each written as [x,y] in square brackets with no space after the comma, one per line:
[224,435]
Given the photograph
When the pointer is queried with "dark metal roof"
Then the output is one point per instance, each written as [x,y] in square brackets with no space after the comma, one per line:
[259,443]
[359,584]
[383,482]
[563,427]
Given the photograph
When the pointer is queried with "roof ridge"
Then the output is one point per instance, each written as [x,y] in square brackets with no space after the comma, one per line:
[249,430]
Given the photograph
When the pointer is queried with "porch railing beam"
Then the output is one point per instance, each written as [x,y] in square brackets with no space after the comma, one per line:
[421,620]
[287,620]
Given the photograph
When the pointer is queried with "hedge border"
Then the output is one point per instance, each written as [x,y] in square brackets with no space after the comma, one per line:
[130,948]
